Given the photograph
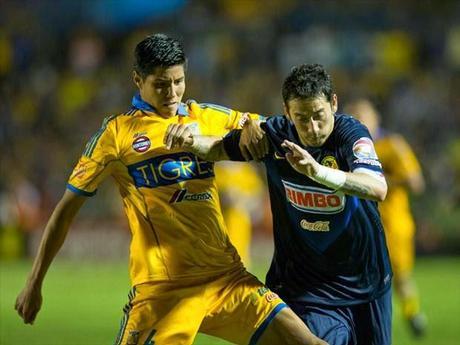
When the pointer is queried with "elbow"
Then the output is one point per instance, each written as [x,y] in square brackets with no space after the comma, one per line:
[381,192]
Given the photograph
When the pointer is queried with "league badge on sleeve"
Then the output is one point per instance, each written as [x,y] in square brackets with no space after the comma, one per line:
[364,151]
[363,148]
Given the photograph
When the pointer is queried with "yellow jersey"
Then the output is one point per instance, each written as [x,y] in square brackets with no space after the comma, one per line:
[169,196]
[399,163]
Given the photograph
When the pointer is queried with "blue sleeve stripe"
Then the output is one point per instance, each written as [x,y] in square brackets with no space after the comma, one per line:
[255,337]
[217,107]
[80,191]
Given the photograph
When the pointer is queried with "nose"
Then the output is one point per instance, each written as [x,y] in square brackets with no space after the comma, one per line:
[313,126]
[170,91]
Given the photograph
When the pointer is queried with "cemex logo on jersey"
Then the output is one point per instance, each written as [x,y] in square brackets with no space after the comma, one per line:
[182,195]
[313,199]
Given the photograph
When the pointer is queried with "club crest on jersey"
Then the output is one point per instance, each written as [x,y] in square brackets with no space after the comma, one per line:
[141,144]
[363,148]
[313,199]
[330,162]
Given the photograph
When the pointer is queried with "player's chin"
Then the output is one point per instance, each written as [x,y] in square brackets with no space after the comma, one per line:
[169,111]
[315,142]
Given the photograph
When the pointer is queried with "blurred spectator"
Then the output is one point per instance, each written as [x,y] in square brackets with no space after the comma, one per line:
[63,69]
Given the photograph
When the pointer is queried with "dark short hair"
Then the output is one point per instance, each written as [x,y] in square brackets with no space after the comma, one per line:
[306,81]
[157,50]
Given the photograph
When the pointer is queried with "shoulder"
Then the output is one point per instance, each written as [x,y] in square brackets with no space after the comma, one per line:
[346,121]
[196,108]
[346,126]
[277,124]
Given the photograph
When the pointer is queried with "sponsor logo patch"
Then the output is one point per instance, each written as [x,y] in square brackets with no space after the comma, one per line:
[169,169]
[141,144]
[271,296]
[314,199]
[182,195]
[315,226]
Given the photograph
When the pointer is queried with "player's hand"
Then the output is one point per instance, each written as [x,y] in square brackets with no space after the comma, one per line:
[253,142]
[178,136]
[28,303]
[300,159]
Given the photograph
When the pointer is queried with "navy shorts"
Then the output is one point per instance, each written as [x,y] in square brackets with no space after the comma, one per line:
[360,324]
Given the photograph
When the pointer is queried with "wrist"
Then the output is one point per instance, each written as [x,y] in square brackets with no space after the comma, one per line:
[332,178]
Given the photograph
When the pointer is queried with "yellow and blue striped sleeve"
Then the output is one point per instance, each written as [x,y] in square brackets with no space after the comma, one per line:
[94,164]
[216,119]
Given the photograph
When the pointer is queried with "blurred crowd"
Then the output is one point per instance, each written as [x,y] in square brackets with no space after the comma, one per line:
[65,65]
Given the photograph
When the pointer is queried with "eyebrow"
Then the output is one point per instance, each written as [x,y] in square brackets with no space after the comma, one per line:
[161,80]
[306,114]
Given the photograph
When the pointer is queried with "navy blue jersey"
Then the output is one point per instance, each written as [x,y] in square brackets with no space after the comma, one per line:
[329,247]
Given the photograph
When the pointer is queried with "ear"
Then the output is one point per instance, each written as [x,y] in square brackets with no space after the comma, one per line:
[334,103]
[286,111]
[137,79]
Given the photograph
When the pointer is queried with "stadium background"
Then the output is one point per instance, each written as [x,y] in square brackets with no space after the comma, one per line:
[65,65]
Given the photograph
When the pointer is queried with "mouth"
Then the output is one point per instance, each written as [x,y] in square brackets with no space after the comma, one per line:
[171,104]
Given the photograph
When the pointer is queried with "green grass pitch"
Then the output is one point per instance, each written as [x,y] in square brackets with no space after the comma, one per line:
[82,304]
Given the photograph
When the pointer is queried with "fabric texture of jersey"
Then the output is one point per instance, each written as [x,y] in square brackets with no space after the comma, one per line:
[169,197]
[400,164]
[329,247]
[172,313]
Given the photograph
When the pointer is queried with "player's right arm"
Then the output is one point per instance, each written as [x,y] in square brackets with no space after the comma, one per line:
[252,142]
[92,168]
[29,301]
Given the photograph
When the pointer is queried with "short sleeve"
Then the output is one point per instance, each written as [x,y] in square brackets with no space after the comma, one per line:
[358,148]
[94,164]
[216,119]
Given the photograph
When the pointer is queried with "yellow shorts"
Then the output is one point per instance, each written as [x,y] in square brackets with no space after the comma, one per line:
[235,307]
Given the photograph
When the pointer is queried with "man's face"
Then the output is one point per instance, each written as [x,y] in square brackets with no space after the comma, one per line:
[364,111]
[163,89]
[313,118]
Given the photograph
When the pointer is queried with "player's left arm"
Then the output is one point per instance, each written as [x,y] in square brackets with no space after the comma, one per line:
[360,183]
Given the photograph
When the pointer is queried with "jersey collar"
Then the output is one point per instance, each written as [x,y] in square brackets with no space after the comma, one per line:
[139,103]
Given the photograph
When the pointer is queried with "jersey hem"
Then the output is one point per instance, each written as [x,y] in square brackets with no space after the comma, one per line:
[260,330]
[80,191]
[339,303]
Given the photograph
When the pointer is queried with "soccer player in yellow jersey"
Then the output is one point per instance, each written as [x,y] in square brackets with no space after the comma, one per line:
[403,175]
[240,191]
[186,275]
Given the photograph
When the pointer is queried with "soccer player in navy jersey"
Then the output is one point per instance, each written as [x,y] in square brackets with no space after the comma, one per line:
[331,262]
